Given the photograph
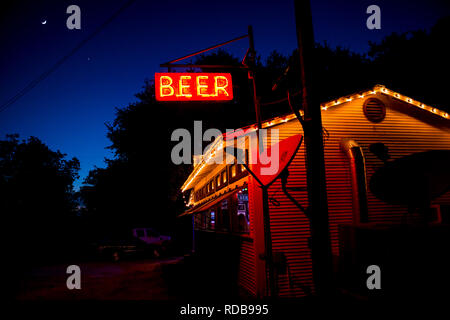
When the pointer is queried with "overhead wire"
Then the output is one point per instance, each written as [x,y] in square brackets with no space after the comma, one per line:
[52,69]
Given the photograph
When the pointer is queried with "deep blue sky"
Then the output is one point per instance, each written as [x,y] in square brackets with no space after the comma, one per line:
[68,109]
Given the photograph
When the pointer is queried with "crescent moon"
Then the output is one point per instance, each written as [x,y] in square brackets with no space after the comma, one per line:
[44,21]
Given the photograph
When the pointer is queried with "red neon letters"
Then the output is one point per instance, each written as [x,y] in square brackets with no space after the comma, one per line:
[193,86]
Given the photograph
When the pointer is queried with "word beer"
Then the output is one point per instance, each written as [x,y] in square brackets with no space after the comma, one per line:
[193,86]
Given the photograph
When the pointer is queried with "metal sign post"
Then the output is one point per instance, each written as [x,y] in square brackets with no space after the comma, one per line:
[315,163]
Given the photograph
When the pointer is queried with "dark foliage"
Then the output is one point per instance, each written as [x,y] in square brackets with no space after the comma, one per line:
[36,182]
[415,64]
[38,203]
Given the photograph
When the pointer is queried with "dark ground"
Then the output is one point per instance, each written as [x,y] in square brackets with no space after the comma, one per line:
[123,280]
[163,286]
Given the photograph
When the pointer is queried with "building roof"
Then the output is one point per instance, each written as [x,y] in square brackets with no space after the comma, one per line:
[202,168]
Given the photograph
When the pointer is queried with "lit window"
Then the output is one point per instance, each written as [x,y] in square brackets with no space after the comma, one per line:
[240,216]
[212,220]
[233,171]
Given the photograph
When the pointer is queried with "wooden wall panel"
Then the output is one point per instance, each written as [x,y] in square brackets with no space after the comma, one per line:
[247,267]
[404,134]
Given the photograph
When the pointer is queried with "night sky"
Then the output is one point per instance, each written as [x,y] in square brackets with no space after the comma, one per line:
[68,110]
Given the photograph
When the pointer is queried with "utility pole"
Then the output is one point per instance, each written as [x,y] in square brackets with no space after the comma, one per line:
[251,74]
[271,283]
[315,163]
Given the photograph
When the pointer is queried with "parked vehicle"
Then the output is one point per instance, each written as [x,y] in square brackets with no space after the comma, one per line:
[139,243]
[151,236]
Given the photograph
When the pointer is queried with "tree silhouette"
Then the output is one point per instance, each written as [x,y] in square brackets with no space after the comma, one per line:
[38,200]
[414,63]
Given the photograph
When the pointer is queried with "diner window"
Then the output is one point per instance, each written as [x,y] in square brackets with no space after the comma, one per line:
[224,177]
[212,220]
[223,216]
[233,171]
[198,221]
[240,212]
[207,218]
[218,181]
[203,219]
[212,185]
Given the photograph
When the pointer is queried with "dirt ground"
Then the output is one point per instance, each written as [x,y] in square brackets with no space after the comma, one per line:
[123,280]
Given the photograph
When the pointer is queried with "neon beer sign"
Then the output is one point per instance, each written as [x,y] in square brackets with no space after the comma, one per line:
[193,86]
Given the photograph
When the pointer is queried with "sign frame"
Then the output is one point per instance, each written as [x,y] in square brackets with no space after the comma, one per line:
[193,86]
